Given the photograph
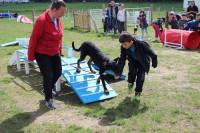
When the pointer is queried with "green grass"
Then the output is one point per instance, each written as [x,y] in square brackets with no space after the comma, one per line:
[170,101]
[56,128]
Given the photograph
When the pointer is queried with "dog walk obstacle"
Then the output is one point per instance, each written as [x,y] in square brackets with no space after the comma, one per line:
[19,41]
[83,84]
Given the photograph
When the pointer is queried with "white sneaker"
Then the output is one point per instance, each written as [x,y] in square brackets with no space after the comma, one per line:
[50,104]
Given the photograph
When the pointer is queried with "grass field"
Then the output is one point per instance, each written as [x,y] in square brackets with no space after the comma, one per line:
[169,104]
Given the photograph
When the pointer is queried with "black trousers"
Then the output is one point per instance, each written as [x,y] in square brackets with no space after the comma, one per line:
[50,68]
[136,74]
[106,25]
[114,25]
[121,26]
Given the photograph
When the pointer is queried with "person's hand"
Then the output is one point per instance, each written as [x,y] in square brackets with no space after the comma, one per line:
[117,77]
[61,54]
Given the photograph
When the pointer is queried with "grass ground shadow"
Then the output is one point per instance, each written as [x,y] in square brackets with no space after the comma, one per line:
[16,123]
[34,79]
[126,109]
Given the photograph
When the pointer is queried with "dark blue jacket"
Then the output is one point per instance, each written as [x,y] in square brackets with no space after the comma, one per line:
[143,54]
[192,25]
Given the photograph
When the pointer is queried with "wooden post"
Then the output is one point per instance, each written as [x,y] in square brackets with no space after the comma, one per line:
[167,20]
[126,21]
[82,20]
[151,11]
[33,16]
[88,20]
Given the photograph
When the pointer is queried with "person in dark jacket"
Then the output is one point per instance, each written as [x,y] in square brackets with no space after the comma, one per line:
[173,21]
[183,21]
[192,9]
[194,24]
[139,55]
[113,13]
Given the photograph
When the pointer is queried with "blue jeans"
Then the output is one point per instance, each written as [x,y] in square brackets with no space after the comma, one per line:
[144,30]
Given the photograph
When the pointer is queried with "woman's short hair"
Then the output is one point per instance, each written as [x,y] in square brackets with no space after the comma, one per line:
[56,4]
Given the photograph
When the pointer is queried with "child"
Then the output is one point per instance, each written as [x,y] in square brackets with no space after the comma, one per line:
[173,20]
[193,25]
[182,23]
[143,23]
[157,26]
[139,54]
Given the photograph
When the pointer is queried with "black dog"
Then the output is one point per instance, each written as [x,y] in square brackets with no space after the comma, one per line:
[99,59]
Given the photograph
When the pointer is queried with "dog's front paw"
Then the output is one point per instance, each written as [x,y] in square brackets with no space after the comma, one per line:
[92,71]
[98,81]
[106,91]
[78,70]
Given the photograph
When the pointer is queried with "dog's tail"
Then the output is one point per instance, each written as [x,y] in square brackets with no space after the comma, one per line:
[75,49]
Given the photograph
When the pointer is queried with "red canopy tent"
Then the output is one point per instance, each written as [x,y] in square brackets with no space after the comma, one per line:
[181,38]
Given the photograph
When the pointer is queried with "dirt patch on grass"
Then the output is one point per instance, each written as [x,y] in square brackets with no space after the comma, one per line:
[65,114]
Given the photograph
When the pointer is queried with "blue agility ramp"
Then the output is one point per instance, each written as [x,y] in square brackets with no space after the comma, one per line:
[84,84]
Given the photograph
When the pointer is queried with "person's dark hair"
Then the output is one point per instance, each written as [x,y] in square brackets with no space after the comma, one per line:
[126,37]
[142,11]
[184,15]
[56,4]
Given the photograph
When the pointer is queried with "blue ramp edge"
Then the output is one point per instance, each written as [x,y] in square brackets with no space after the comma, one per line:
[84,84]
[67,61]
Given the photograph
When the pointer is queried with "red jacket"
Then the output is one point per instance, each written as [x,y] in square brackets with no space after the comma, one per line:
[45,39]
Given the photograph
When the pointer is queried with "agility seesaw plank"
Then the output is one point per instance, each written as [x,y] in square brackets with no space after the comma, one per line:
[84,84]
[13,43]
[68,60]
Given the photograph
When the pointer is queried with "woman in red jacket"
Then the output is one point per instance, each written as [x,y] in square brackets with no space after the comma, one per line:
[45,46]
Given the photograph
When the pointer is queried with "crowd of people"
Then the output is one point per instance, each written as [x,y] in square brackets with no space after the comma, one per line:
[115,20]
[189,20]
